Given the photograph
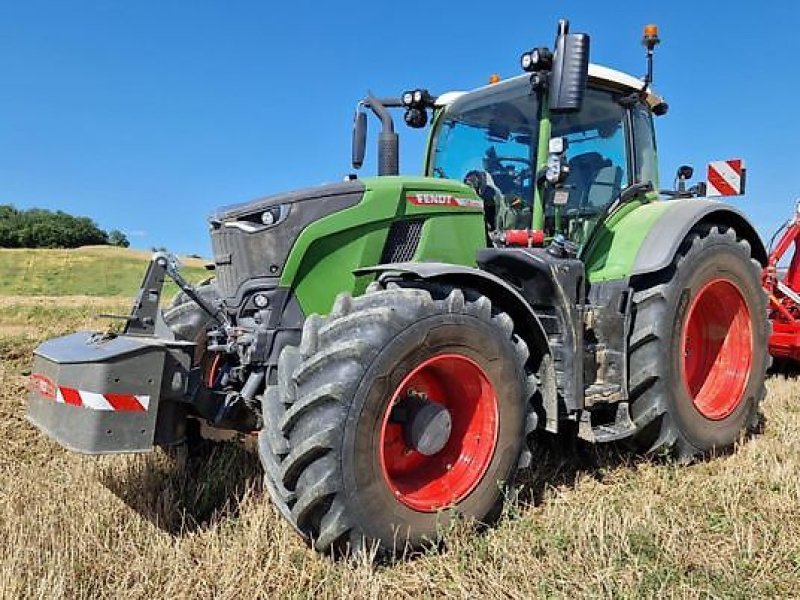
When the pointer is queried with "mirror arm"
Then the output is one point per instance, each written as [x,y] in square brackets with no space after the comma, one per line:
[379,109]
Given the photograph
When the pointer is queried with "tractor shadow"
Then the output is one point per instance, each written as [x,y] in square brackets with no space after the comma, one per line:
[784,368]
[186,489]
[560,461]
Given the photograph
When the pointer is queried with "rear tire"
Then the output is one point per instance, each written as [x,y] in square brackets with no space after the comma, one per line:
[332,465]
[698,344]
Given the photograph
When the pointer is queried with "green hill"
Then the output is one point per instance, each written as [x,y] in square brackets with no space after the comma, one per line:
[87,271]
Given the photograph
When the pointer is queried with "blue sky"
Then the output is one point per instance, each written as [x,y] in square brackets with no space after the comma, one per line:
[148,115]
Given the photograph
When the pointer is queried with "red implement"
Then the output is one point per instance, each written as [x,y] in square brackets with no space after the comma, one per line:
[784,294]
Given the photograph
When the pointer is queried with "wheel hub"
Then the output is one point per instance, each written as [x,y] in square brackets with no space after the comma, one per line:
[439,432]
[426,424]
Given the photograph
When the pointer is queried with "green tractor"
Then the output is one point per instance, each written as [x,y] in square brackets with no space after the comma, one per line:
[397,343]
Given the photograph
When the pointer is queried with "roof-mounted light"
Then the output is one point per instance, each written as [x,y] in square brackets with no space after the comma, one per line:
[538,59]
[419,98]
[651,38]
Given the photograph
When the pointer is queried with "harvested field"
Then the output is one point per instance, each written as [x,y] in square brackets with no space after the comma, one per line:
[586,524]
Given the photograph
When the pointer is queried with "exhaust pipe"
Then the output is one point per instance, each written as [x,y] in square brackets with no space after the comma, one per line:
[388,140]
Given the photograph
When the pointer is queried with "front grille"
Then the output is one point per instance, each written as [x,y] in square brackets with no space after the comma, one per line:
[402,241]
[224,242]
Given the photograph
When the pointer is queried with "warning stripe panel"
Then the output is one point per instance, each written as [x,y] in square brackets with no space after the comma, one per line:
[717,183]
[95,401]
[70,396]
[124,402]
[736,165]
[725,177]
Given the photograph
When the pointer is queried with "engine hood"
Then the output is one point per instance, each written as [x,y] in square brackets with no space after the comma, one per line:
[320,192]
[250,250]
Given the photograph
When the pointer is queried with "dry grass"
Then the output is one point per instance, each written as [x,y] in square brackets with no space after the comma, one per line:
[590,525]
[87,271]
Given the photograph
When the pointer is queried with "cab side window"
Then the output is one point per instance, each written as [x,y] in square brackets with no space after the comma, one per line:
[597,156]
[646,154]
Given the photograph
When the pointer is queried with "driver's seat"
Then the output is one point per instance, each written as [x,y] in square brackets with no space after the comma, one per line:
[584,170]
[605,188]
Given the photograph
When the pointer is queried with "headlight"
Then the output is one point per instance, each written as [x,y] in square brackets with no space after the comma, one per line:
[261,219]
[271,216]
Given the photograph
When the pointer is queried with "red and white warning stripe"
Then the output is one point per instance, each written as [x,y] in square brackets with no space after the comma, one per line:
[726,178]
[443,200]
[45,387]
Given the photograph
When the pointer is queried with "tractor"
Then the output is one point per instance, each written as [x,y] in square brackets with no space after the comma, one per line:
[398,343]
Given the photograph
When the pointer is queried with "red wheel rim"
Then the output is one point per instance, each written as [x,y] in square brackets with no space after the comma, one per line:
[428,483]
[717,349]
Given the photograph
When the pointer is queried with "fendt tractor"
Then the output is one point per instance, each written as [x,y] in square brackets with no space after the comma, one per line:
[398,343]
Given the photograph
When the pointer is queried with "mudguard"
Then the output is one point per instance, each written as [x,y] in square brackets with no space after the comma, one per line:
[663,240]
[500,292]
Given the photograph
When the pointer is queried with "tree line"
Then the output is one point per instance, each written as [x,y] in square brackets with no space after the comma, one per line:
[40,228]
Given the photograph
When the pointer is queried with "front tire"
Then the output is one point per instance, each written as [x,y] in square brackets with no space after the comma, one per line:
[339,462]
[698,354]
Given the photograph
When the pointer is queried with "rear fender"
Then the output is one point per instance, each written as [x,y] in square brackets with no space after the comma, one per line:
[665,237]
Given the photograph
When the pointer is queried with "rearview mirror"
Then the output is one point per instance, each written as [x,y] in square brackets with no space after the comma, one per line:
[570,70]
[359,138]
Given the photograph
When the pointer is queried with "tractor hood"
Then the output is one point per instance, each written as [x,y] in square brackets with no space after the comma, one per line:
[251,241]
[320,193]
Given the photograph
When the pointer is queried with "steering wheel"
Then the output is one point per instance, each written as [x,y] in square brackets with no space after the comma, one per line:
[507,165]
[518,159]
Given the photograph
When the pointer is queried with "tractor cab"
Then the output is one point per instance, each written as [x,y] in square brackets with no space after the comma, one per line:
[551,153]
[491,138]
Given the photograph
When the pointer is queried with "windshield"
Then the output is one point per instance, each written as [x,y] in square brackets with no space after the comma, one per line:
[492,134]
[596,151]
[489,139]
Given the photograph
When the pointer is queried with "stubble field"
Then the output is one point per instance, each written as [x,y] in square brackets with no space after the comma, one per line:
[587,523]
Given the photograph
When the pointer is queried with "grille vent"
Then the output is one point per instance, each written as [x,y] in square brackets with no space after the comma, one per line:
[402,241]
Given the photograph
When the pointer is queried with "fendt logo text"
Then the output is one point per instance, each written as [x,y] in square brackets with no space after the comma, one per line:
[443,200]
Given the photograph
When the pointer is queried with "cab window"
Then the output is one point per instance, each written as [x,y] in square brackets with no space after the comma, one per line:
[489,140]
[646,154]
[596,153]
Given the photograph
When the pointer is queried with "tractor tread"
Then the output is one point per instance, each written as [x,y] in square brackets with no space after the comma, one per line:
[329,392]
[316,382]
[306,452]
[656,430]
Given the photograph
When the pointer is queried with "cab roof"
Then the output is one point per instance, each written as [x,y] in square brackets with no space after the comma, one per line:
[597,74]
